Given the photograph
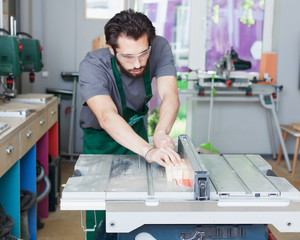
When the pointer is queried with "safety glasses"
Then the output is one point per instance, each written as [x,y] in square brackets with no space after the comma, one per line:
[131,58]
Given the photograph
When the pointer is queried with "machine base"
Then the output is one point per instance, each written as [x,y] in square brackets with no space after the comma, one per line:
[198,232]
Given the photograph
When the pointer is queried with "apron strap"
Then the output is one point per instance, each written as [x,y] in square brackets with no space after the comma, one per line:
[119,82]
[147,83]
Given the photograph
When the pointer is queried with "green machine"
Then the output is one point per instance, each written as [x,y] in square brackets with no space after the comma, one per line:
[9,56]
[18,54]
[10,65]
[31,57]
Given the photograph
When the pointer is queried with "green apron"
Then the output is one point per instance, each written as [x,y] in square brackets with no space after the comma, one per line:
[100,142]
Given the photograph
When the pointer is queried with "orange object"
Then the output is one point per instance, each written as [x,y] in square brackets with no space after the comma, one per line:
[268,64]
[183,182]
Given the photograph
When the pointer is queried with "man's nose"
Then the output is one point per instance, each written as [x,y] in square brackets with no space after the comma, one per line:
[136,63]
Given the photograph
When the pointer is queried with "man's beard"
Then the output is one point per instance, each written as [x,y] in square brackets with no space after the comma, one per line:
[130,75]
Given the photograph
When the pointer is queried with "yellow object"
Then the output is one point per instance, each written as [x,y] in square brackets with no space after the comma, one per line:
[296,126]
[99,42]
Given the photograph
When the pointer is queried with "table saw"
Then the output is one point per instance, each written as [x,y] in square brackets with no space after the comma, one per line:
[235,194]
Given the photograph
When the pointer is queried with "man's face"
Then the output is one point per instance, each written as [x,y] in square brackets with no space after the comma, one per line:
[132,56]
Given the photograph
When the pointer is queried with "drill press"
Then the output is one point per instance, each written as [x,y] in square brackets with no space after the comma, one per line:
[18,54]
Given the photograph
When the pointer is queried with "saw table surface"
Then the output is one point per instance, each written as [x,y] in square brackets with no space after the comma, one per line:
[134,192]
[124,177]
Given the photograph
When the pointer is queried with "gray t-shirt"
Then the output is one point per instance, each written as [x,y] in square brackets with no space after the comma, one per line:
[96,78]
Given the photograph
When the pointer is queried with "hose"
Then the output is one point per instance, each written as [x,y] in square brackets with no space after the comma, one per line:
[46,191]
[41,173]
[47,182]
[27,200]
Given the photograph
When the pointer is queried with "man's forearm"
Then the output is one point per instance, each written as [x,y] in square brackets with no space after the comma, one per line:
[122,133]
[115,125]
[167,114]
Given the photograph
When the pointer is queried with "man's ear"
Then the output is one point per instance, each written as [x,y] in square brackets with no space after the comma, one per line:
[111,50]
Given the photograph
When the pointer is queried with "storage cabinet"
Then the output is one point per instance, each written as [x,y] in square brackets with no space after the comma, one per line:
[9,152]
[29,140]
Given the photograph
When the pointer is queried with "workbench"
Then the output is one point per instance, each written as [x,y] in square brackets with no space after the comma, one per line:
[31,134]
[262,94]
[222,190]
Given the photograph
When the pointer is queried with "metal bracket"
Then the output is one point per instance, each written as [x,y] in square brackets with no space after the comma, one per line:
[201,185]
[84,227]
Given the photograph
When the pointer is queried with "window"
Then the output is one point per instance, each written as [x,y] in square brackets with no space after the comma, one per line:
[171,19]
[234,24]
[218,25]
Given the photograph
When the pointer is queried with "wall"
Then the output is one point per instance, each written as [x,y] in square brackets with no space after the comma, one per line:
[287,44]
[238,128]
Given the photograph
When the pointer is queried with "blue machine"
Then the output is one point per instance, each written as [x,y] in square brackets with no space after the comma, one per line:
[199,232]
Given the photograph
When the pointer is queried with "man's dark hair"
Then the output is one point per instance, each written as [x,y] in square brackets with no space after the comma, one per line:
[130,24]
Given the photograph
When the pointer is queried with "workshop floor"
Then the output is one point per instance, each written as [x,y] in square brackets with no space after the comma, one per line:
[66,224]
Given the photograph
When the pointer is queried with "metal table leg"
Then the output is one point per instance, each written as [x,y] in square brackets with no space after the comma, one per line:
[270,106]
[271,134]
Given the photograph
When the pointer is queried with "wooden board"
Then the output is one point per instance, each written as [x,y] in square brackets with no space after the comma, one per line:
[296,126]
[99,42]
[33,98]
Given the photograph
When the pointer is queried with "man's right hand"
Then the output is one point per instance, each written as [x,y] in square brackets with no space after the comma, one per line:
[164,156]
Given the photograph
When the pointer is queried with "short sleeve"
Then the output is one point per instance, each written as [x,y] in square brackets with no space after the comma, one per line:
[93,78]
[162,58]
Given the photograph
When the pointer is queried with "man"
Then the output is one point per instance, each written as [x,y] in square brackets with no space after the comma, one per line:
[115,85]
